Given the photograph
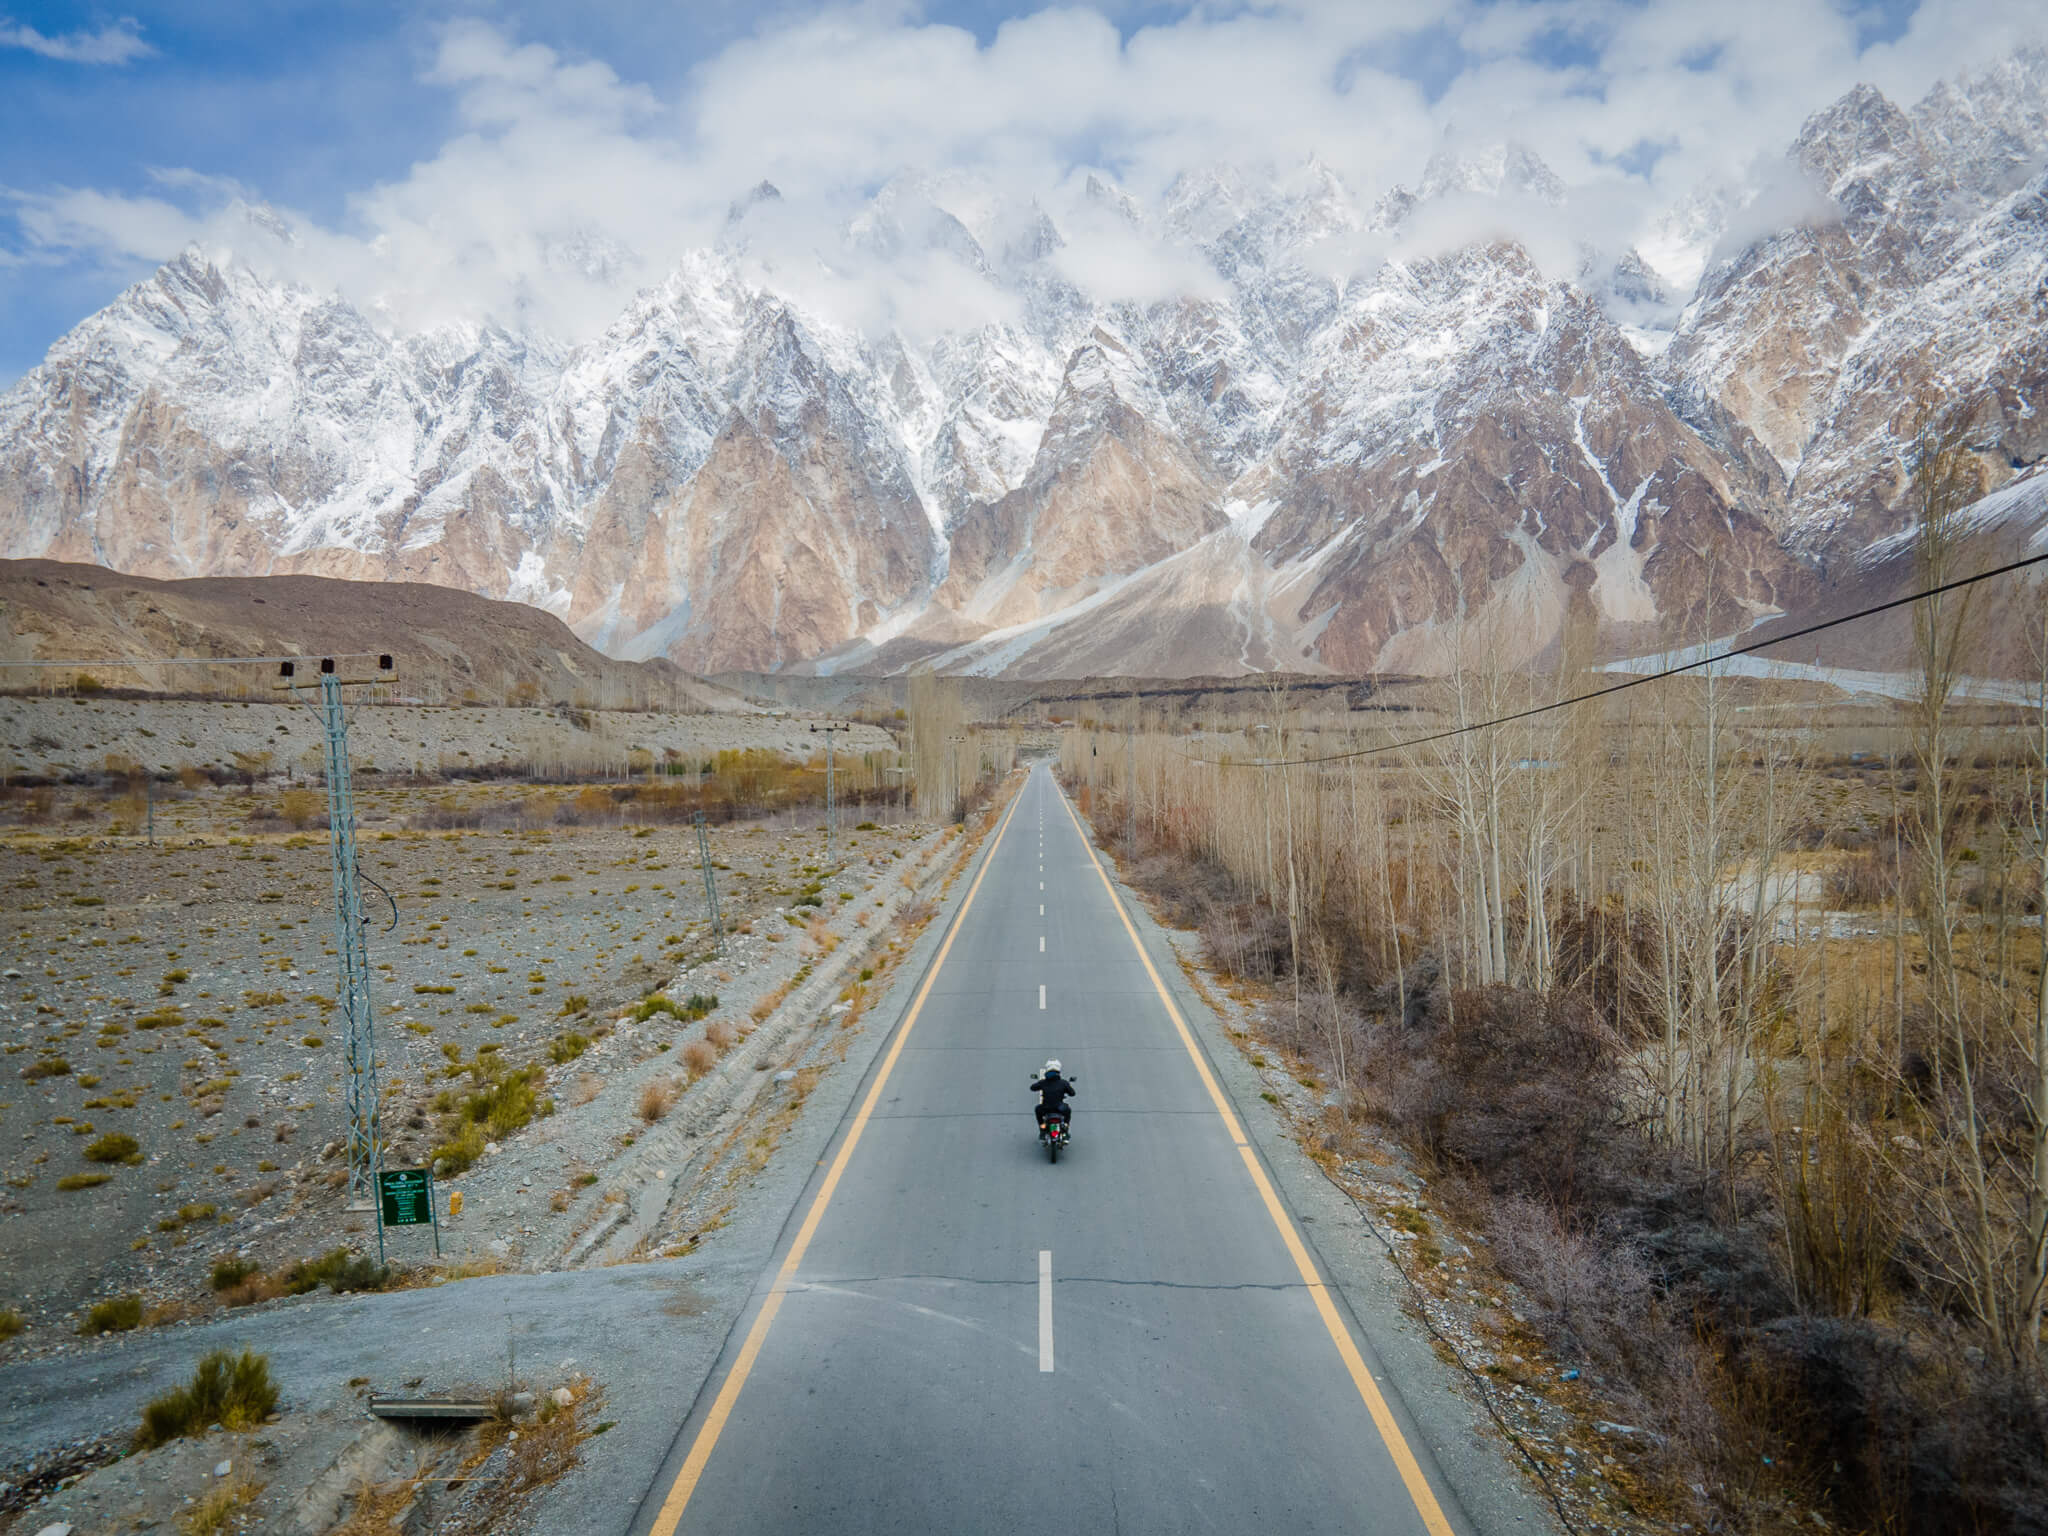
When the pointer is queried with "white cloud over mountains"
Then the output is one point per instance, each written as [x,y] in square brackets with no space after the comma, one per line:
[565,187]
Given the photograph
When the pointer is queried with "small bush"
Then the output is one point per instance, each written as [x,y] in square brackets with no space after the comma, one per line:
[657,1099]
[340,1271]
[576,1002]
[461,1150]
[114,1147]
[699,1057]
[564,1049]
[10,1323]
[233,1391]
[721,1034]
[116,1316]
[230,1272]
[49,1066]
[688,1011]
[83,1180]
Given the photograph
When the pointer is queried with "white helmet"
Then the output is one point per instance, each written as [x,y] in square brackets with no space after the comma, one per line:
[1050,1066]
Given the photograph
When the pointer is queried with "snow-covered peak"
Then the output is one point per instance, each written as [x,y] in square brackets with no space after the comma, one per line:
[1498,170]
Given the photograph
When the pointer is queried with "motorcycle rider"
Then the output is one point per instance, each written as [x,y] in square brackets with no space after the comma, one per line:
[1053,1091]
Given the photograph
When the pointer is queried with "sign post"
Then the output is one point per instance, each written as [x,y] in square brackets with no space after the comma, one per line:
[405,1198]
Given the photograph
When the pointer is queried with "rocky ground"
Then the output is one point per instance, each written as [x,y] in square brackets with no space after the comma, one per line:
[183,996]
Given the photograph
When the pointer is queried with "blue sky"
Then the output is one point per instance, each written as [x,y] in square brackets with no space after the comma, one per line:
[125,131]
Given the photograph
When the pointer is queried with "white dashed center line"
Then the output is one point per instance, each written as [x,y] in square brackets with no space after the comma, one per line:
[1041,994]
[1045,1309]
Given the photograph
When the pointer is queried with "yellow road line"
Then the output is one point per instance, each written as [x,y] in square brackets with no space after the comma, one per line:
[679,1492]
[1419,1491]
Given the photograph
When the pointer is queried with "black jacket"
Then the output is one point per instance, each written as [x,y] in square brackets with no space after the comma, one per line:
[1053,1092]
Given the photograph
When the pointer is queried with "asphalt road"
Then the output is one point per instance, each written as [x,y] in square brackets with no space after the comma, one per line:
[955,1335]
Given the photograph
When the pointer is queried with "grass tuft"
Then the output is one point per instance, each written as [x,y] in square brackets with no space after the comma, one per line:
[215,1511]
[340,1271]
[116,1315]
[233,1391]
[114,1147]
[657,1099]
[231,1272]
[699,1057]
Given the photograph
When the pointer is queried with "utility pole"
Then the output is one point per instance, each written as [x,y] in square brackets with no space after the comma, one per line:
[828,732]
[365,1140]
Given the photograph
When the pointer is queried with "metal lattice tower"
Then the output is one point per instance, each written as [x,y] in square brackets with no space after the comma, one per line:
[365,1140]
[831,810]
[710,884]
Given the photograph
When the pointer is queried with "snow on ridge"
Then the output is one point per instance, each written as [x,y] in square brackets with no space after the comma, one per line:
[334,430]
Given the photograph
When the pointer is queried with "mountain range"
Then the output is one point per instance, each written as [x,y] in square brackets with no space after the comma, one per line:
[1353,441]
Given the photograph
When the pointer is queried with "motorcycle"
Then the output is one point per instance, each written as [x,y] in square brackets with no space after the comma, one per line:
[1055,1131]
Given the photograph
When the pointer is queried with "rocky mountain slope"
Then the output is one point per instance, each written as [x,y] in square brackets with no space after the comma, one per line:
[1354,444]
[449,645]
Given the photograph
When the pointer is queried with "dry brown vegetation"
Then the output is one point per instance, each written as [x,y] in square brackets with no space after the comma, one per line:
[657,1098]
[699,1057]
[1733,1045]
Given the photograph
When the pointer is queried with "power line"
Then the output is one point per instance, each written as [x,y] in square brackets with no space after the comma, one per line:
[1633,682]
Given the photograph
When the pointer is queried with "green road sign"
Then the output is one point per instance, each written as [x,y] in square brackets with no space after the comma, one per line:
[407,1195]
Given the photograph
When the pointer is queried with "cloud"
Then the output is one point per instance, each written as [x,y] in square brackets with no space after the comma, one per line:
[565,186]
[119,42]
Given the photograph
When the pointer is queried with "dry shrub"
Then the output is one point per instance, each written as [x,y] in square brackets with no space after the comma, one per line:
[2015,892]
[1246,941]
[1607,957]
[1602,1307]
[246,1293]
[699,1057]
[587,1086]
[1513,1090]
[215,1510]
[300,806]
[1901,1432]
[657,1098]
[721,1034]
[551,1446]
[1861,881]
[376,1507]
